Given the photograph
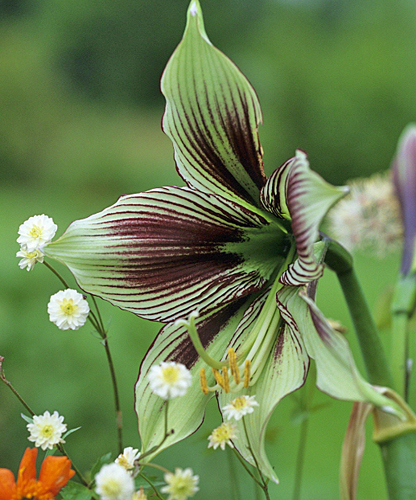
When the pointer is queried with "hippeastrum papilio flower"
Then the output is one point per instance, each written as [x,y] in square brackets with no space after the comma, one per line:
[224,261]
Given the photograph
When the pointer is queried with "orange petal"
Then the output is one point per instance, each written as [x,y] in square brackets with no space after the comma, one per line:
[27,469]
[7,484]
[55,473]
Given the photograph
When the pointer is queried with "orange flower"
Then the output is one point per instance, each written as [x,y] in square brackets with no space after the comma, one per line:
[55,472]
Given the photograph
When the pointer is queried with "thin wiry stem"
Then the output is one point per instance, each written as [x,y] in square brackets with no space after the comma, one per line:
[151,485]
[262,482]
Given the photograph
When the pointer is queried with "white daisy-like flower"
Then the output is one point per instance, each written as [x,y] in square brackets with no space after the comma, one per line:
[29,259]
[36,232]
[181,485]
[222,436]
[239,407]
[113,482]
[128,457]
[169,380]
[68,309]
[46,430]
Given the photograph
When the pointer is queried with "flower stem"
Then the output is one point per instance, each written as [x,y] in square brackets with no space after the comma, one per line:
[152,486]
[300,459]
[55,272]
[340,261]
[10,386]
[401,309]
[119,415]
[262,481]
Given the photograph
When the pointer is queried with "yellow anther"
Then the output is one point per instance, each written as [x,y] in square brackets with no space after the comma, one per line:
[203,381]
[247,367]
[225,379]
[218,377]
[232,358]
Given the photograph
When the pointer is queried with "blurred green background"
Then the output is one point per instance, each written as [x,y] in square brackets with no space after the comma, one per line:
[81,110]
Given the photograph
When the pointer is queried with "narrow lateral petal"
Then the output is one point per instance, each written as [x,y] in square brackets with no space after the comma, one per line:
[337,374]
[212,116]
[166,252]
[173,343]
[284,371]
[307,199]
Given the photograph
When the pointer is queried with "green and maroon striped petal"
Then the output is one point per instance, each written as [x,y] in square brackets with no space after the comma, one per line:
[212,116]
[166,252]
[295,191]
[173,343]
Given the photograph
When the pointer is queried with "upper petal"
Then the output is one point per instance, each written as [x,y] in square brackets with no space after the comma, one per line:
[55,472]
[27,468]
[212,116]
[166,252]
[295,192]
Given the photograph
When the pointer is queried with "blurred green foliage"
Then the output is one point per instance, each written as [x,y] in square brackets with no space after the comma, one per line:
[80,126]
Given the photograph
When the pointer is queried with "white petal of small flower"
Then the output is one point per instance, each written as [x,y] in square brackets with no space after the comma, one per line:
[29,259]
[222,436]
[46,430]
[180,485]
[127,458]
[239,407]
[68,309]
[36,232]
[114,483]
[169,380]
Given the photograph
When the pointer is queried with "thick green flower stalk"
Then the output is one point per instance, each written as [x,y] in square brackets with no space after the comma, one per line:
[229,263]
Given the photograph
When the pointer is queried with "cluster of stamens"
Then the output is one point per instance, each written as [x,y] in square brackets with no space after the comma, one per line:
[222,377]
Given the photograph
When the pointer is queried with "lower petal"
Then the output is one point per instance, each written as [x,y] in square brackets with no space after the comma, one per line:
[285,371]
[185,413]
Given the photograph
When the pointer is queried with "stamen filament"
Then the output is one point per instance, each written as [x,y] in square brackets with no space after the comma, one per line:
[190,325]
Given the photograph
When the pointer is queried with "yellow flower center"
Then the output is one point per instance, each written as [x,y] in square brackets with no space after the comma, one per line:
[239,403]
[170,374]
[68,307]
[223,433]
[47,430]
[35,232]
[111,488]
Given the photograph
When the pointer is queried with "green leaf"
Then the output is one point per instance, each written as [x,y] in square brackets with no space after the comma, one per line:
[70,432]
[105,459]
[29,420]
[77,491]
[212,116]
